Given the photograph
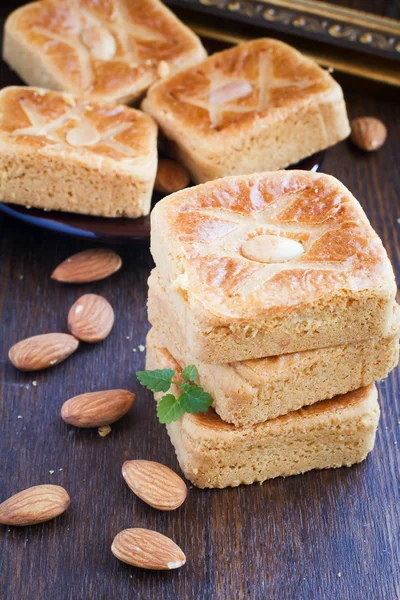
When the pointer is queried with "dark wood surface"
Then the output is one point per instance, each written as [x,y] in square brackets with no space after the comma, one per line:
[329,535]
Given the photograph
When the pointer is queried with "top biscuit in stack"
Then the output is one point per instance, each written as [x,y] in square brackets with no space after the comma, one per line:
[269,264]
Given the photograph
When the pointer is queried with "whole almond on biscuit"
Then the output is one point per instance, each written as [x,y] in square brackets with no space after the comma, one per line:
[89,265]
[155,484]
[368,133]
[171,177]
[96,409]
[147,549]
[42,351]
[91,318]
[34,505]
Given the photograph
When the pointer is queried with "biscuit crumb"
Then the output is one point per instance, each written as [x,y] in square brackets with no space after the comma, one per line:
[19,417]
[34,383]
[133,349]
[339,574]
[163,69]
[51,471]
[104,430]
[142,348]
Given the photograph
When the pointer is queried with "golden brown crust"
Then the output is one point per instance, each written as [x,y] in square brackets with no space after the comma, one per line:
[107,49]
[262,77]
[51,122]
[198,236]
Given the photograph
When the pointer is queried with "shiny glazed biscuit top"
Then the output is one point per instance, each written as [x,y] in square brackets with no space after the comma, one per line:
[102,47]
[241,84]
[243,245]
[54,123]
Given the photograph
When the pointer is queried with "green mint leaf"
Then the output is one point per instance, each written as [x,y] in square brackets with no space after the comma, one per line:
[194,399]
[170,409]
[158,380]
[190,373]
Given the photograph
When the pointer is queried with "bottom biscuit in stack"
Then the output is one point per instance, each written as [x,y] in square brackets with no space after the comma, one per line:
[216,454]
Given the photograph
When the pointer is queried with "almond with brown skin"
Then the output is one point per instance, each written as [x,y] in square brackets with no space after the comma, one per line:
[95,409]
[34,505]
[42,351]
[368,133]
[171,177]
[91,318]
[89,265]
[147,549]
[155,484]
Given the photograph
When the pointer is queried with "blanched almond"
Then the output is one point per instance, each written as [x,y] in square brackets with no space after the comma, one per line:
[91,318]
[42,351]
[228,92]
[155,484]
[95,409]
[100,42]
[83,134]
[147,549]
[34,505]
[271,249]
[86,266]
[171,177]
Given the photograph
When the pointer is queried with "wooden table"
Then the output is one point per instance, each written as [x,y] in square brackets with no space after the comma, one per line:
[329,535]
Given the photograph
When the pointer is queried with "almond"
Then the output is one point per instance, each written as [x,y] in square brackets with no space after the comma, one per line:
[34,505]
[147,549]
[42,351]
[368,133]
[155,484]
[89,265]
[100,42]
[84,134]
[171,177]
[228,92]
[95,409]
[91,318]
[271,249]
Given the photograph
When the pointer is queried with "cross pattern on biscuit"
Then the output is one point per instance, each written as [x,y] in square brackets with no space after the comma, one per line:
[43,127]
[120,26]
[266,221]
[267,81]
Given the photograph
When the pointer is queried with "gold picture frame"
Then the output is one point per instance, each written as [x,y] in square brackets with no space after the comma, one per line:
[347,40]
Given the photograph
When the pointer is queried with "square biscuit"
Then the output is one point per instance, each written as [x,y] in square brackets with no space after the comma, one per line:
[215,454]
[259,106]
[256,390]
[110,50]
[59,152]
[270,264]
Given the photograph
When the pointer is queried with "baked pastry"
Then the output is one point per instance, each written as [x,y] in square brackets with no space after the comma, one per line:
[256,390]
[212,453]
[259,106]
[59,152]
[270,264]
[108,49]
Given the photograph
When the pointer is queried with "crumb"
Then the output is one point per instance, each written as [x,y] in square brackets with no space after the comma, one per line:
[398,220]
[51,471]
[330,70]
[142,348]
[34,383]
[128,337]
[339,574]
[19,417]
[21,276]
[133,349]
[163,69]
[104,430]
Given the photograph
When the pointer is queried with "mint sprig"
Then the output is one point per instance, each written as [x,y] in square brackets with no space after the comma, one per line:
[193,398]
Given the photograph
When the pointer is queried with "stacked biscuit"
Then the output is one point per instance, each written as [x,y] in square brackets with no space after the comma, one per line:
[278,290]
